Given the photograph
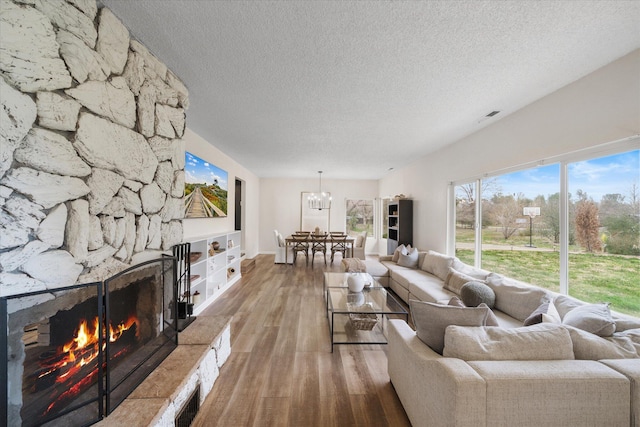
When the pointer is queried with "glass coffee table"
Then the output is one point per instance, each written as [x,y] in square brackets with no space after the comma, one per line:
[358,317]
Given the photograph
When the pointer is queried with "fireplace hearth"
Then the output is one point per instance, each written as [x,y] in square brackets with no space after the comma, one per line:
[72,355]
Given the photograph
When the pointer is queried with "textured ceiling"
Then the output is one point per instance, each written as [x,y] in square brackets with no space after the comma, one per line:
[355,88]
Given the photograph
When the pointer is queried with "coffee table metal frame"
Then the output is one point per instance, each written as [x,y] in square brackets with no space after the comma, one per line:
[380,303]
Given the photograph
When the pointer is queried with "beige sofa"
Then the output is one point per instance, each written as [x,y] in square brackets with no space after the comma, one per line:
[437,390]
[443,391]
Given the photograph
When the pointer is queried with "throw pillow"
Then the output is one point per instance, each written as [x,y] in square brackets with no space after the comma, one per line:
[431,320]
[587,346]
[565,303]
[456,279]
[594,318]
[492,319]
[456,302]
[473,294]
[409,259]
[545,313]
[515,298]
[539,342]
[399,249]
[437,264]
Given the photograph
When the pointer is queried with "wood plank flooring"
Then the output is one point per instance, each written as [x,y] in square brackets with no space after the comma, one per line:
[281,371]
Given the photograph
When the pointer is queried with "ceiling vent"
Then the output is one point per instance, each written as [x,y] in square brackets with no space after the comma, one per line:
[488,116]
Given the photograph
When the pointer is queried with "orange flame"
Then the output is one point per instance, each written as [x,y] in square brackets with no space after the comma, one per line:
[84,345]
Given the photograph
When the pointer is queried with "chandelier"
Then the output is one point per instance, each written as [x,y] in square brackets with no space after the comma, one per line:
[320,200]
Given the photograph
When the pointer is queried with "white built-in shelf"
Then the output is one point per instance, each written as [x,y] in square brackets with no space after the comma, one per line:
[217,270]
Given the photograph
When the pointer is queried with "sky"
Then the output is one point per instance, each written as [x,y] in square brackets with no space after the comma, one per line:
[597,177]
[197,171]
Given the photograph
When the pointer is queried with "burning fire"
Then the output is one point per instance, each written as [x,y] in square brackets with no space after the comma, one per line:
[84,347]
[80,351]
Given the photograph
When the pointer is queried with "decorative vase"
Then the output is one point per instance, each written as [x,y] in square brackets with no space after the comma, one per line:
[355,282]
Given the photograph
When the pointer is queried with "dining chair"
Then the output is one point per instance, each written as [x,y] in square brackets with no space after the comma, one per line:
[318,244]
[338,244]
[336,233]
[360,245]
[283,253]
[300,244]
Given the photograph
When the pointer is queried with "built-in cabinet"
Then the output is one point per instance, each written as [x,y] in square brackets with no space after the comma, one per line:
[216,269]
[399,224]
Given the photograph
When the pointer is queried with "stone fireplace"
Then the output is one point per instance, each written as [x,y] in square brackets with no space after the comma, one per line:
[73,358]
[91,181]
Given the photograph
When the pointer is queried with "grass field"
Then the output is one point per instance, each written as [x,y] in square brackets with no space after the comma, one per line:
[592,278]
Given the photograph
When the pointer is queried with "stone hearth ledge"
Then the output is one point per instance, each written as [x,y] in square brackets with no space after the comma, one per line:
[203,347]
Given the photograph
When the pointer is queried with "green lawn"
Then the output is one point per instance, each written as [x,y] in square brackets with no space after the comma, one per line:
[592,278]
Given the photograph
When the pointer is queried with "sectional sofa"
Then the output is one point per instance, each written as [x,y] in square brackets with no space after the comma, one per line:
[547,373]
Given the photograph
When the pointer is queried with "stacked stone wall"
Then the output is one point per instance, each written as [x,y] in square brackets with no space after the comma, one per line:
[91,156]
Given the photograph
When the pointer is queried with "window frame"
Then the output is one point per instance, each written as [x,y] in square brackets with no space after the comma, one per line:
[608,149]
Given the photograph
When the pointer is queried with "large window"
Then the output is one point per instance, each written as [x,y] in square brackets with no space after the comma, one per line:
[526,224]
[604,230]
[359,217]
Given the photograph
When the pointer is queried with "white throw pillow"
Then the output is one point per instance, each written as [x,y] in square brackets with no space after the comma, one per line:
[594,318]
[437,264]
[538,342]
[409,259]
[545,313]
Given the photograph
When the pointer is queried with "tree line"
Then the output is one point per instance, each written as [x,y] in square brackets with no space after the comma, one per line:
[611,225]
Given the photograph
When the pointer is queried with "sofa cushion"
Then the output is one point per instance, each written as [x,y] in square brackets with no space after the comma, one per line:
[517,299]
[426,287]
[476,273]
[375,268]
[492,320]
[456,279]
[625,322]
[594,318]
[431,320]
[545,313]
[539,342]
[588,346]
[437,264]
[408,258]
[475,293]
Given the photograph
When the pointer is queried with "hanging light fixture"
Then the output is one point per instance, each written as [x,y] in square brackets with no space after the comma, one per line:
[320,200]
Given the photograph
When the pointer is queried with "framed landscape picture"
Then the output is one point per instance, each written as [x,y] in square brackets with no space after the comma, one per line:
[205,188]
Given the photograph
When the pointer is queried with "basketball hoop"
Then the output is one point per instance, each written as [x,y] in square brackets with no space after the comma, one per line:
[531,212]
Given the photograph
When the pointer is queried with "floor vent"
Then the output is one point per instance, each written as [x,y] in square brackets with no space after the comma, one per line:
[190,410]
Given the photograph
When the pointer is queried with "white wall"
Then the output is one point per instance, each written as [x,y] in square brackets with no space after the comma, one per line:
[603,106]
[280,204]
[205,226]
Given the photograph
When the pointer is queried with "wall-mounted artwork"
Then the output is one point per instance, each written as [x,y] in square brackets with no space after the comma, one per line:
[205,189]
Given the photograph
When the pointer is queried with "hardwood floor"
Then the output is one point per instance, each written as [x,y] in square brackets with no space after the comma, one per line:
[281,371]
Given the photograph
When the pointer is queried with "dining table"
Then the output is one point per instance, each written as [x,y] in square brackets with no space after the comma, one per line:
[289,240]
